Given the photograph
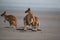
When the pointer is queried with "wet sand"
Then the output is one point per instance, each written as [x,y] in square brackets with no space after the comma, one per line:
[50,26]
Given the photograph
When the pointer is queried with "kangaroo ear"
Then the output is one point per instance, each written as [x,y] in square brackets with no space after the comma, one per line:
[28,8]
[3,13]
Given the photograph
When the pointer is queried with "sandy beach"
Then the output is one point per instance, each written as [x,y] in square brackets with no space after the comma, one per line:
[50,26]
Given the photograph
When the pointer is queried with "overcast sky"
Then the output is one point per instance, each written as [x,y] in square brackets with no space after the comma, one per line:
[30,3]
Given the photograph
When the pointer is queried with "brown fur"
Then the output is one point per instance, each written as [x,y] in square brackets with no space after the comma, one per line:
[31,20]
[10,18]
